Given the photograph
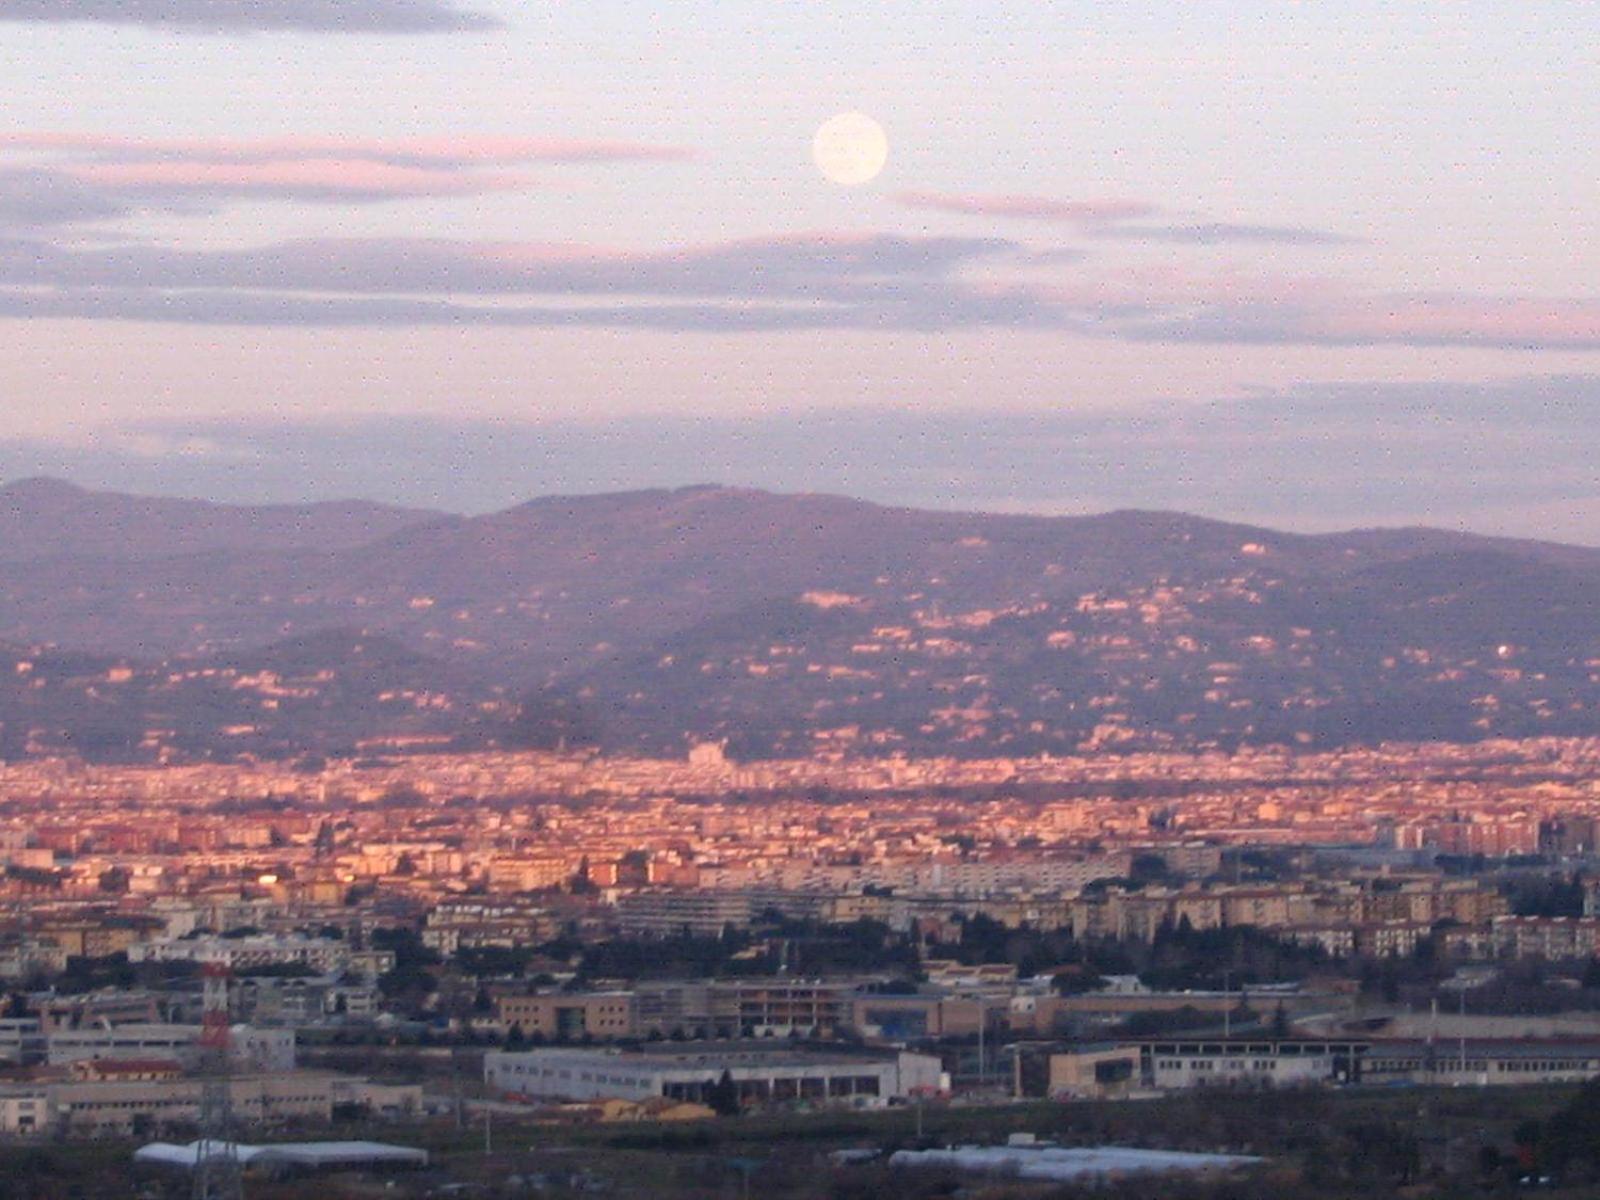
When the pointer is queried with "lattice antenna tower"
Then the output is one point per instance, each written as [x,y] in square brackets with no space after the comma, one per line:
[217,1175]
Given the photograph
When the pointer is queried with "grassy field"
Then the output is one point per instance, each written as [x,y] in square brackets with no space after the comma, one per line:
[1360,1143]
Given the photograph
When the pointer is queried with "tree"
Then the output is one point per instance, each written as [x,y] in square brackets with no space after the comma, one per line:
[1148,868]
[1573,1134]
[1389,981]
[723,1096]
[402,795]
[1280,1022]
[581,884]
[634,867]
[408,979]
[1072,983]
[1488,1161]
[1390,1151]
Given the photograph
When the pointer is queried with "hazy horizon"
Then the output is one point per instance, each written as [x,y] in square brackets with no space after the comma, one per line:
[253,488]
[1283,263]
[1514,459]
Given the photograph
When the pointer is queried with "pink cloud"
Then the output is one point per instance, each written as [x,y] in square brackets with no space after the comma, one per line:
[1165,284]
[308,168]
[1120,219]
[329,177]
[1464,319]
[1169,302]
[222,16]
[1031,208]
[422,151]
[1327,313]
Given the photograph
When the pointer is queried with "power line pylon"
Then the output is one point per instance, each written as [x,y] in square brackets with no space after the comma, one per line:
[217,1175]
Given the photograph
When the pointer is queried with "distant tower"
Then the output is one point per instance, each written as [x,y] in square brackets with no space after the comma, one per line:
[324,844]
[709,755]
[216,1170]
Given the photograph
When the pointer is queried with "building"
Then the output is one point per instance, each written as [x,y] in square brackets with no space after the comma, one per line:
[665,913]
[251,1048]
[241,954]
[24,1109]
[1482,1062]
[947,973]
[763,1075]
[25,957]
[778,1007]
[897,1018]
[125,1070]
[1080,1164]
[1336,941]
[1391,939]
[570,1016]
[295,1156]
[484,921]
[300,1000]
[1118,1004]
[377,1099]
[774,1006]
[1171,1064]
[1176,1063]
[673,1007]
[156,1101]
[22,1041]
[1495,838]
[109,1006]
[1551,938]
[1106,1071]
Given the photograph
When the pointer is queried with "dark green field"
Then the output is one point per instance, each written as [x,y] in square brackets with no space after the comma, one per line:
[1356,1144]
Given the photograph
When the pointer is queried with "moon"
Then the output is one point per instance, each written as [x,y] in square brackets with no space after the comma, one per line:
[850,149]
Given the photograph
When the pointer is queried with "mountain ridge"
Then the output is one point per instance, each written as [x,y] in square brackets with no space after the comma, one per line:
[39,513]
[788,622]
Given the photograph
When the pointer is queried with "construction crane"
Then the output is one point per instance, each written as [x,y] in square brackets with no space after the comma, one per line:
[217,1174]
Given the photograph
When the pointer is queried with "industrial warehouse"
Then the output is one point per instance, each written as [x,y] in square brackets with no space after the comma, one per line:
[762,1074]
[1112,1070]
[284,1156]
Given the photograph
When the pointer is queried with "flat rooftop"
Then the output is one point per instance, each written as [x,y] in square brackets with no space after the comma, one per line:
[1060,1165]
[733,1054]
[298,1154]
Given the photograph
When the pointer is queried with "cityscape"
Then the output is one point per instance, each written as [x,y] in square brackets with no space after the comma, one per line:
[604,941]
[820,601]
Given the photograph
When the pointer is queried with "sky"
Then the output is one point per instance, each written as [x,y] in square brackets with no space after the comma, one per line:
[1311,265]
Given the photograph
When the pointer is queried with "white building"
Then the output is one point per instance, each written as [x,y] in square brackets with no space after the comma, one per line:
[24,1109]
[667,913]
[123,1106]
[763,1076]
[21,1040]
[322,955]
[1242,1062]
[1079,1164]
[250,1048]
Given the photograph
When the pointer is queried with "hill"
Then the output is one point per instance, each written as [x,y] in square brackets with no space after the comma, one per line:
[48,518]
[791,622]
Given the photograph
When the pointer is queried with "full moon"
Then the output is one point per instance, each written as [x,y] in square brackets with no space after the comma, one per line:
[850,149]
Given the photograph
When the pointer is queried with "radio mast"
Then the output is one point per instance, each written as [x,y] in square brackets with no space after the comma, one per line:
[217,1175]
